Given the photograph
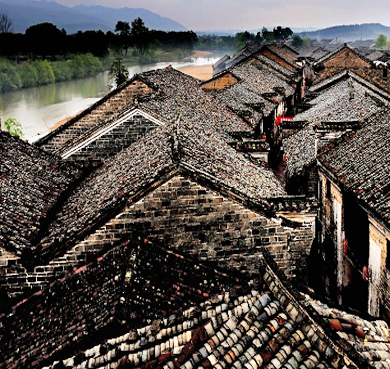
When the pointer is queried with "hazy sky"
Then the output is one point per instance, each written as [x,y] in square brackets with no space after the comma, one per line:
[253,14]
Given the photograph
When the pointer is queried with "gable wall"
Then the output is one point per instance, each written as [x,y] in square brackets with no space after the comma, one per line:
[190,218]
[115,140]
[221,82]
[276,58]
[346,59]
[102,112]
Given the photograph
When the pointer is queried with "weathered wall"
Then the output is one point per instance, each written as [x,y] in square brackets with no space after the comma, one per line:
[220,83]
[276,58]
[346,59]
[115,140]
[98,113]
[193,219]
[380,282]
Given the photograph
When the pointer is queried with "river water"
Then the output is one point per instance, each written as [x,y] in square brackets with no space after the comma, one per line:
[39,108]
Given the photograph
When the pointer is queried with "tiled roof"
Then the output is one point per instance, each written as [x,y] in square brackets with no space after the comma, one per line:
[348,100]
[336,51]
[31,183]
[247,97]
[172,91]
[370,339]
[199,148]
[133,285]
[375,55]
[361,163]
[264,327]
[248,50]
[312,52]
[282,53]
[276,66]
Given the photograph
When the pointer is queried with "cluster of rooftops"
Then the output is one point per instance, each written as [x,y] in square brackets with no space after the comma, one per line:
[143,306]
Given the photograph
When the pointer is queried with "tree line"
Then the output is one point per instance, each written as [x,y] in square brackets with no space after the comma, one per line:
[45,40]
[239,40]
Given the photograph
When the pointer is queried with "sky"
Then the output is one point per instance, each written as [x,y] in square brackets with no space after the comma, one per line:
[198,15]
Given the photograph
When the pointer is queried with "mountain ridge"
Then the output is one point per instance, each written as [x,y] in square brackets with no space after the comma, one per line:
[351,32]
[80,18]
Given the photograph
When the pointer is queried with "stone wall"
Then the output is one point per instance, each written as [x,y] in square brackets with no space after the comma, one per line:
[115,140]
[192,219]
[220,83]
[101,111]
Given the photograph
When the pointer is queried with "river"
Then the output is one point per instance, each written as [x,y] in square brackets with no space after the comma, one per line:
[39,108]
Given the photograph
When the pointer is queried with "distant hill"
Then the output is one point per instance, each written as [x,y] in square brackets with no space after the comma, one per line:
[365,31]
[80,18]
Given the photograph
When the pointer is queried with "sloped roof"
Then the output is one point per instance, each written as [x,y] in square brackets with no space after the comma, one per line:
[369,338]
[129,287]
[276,66]
[265,326]
[312,52]
[348,100]
[285,55]
[248,97]
[31,183]
[336,51]
[171,90]
[196,147]
[361,163]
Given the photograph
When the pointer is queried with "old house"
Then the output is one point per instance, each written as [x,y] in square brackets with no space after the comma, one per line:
[346,58]
[336,105]
[180,181]
[256,94]
[142,306]
[143,103]
[354,181]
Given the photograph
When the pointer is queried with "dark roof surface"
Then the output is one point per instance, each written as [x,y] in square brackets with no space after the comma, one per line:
[31,183]
[348,100]
[172,91]
[129,287]
[248,98]
[264,326]
[199,148]
[361,163]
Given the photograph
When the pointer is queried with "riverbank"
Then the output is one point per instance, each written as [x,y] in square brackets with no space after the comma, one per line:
[202,72]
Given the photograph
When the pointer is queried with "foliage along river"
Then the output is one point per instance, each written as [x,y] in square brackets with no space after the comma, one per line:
[40,108]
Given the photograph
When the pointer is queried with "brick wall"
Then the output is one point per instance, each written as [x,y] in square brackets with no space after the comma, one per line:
[115,140]
[220,83]
[346,59]
[276,58]
[98,113]
[192,219]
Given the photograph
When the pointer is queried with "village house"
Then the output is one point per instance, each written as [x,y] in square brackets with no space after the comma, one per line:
[183,181]
[346,58]
[335,106]
[354,182]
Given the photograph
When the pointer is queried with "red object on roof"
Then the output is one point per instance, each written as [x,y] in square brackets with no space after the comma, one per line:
[282,119]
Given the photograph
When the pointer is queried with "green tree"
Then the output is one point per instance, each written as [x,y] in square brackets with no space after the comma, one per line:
[381,42]
[118,73]
[297,41]
[12,126]
[140,35]
[9,77]
[28,75]
[124,30]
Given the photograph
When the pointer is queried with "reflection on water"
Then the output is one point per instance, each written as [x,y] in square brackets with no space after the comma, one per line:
[39,108]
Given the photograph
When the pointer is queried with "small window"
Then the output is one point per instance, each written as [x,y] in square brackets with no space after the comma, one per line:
[328,189]
[388,254]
